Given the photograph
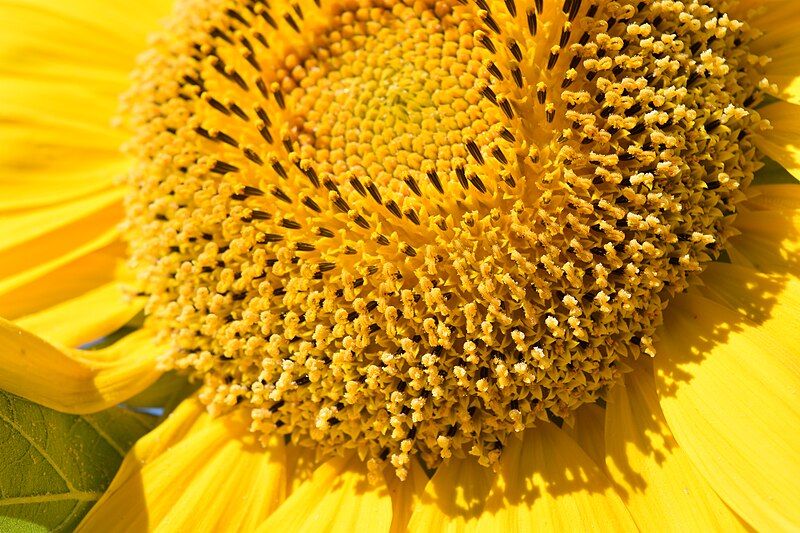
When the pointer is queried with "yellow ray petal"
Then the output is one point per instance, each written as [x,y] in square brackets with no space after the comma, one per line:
[85,318]
[405,495]
[67,277]
[55,145]
[21,191]
[61,265]
[20,229]
[211,478]
[454,498]
[780,197]
[771,301]
[301,462]
[40,257]
[75,381]
[730,392]
[588,431]
[546,482]
[337,498]
[781,42]
[266,492]
[23,269]
[745,9]
[782,142]
[83,236]
[660,487]
[82,34]
[189,417]
[769,241]
[63,67]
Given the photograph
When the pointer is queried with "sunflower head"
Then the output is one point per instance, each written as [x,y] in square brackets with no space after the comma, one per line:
[415,228]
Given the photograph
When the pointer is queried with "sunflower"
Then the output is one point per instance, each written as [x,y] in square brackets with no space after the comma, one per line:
[434,265]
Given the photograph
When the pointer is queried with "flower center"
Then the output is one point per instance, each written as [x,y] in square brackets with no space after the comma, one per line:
[416,228]
[399,93]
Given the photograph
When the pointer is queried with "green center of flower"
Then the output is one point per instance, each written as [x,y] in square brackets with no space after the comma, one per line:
[417,228]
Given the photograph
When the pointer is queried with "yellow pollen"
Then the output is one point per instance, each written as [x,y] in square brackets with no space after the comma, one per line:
[412,229]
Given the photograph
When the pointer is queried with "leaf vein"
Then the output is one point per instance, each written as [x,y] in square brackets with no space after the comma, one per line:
[39,449]
[48,498]
[89,420]
[76,509]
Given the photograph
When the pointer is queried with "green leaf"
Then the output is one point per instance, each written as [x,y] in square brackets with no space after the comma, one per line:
[55,466]
[772,173]
[165,394]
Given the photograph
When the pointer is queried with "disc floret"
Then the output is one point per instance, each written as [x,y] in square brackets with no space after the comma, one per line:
[416,228]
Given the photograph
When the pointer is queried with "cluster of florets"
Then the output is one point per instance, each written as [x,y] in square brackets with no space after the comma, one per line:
[416,228]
